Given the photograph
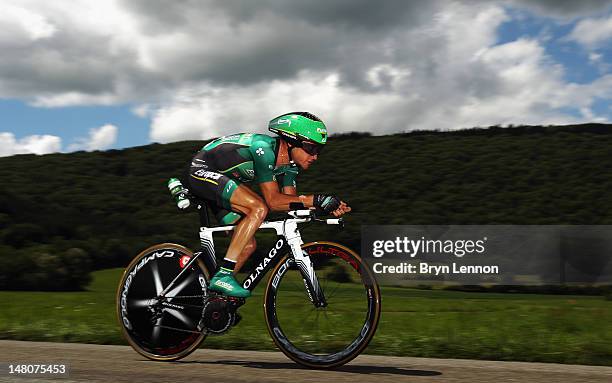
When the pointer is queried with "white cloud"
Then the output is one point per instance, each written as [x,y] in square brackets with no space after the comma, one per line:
[380,75]
[61,99]
[23,25]
[595,58]
[206,68]
[212,112]
[593,32]
[469,81]
[35,144]
[598,61]
[99,139]
[142,111]
[102,138]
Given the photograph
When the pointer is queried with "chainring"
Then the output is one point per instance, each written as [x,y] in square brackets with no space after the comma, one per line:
[219,314]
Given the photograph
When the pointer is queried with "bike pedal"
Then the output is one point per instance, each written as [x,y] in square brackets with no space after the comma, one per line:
[236,301]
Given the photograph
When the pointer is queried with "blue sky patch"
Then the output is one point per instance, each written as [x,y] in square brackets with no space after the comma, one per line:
[72,123]
[553,36]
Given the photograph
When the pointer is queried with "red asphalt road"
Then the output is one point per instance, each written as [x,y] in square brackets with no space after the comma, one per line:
[99,363]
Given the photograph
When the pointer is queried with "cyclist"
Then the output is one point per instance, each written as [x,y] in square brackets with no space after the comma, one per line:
[218,173]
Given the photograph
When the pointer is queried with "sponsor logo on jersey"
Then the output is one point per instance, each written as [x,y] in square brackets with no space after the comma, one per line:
[207,174]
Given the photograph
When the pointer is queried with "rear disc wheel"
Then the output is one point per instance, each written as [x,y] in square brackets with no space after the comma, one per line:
[168,328]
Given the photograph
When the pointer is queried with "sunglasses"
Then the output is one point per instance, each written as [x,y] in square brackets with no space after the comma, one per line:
[312,148]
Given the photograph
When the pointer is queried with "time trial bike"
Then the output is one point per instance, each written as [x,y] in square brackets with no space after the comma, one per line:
[321,303]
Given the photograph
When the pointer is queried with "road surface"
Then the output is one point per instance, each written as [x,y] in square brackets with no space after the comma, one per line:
[98,363]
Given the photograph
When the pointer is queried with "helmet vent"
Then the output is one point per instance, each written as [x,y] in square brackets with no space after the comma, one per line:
[307,115]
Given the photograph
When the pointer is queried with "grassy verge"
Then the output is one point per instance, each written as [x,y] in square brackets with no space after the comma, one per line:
[527,327]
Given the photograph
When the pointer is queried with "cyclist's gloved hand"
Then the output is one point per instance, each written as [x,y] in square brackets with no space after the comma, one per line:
[327,203]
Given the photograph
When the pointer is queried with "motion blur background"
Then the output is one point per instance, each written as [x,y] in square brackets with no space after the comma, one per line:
[119,95]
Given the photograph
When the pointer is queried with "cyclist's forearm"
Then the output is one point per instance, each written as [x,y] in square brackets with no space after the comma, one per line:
[281,202]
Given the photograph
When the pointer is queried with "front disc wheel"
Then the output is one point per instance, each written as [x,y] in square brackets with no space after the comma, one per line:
[328,336]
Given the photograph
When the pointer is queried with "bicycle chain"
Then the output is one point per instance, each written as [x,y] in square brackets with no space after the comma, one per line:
[189,296]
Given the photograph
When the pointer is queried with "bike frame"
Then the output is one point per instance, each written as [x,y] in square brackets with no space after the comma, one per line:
[289,240]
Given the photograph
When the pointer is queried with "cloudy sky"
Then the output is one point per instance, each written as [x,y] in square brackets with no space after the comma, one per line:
[85,75]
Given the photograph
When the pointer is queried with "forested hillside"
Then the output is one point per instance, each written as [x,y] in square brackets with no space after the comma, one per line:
[62,214]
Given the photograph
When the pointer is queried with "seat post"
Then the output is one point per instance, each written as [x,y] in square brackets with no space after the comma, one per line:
[203,211]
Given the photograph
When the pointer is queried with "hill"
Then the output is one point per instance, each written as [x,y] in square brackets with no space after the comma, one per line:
[95,210]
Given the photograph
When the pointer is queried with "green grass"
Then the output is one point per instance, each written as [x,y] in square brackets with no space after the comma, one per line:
[429,323]
[562,329]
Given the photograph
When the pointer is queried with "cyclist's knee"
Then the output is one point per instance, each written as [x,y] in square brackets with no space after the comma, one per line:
[259,211]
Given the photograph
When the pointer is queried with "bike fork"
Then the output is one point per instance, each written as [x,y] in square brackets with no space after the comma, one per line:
[304,264]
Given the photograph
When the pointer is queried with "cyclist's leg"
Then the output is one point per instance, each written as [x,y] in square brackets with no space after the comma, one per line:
[245,254]
[220,189]
[226,217]
[230,195]
[254,209]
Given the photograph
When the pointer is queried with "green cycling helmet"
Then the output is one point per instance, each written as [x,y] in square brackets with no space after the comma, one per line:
[298,127]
